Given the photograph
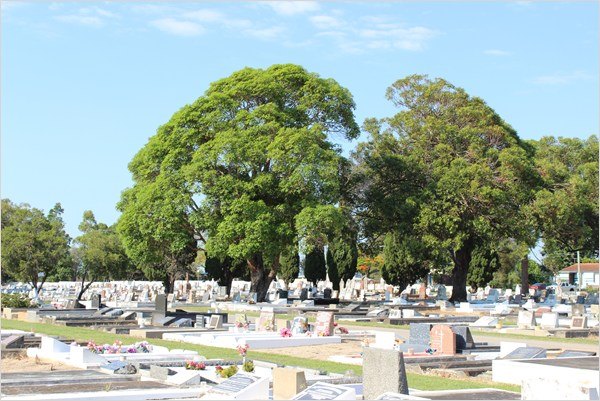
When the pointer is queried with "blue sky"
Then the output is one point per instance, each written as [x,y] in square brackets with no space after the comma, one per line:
[85,84]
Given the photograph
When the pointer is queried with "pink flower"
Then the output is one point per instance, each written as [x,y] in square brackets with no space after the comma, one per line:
[285,332]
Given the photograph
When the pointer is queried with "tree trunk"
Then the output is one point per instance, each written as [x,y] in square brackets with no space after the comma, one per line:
[525,275]
[169,283]
[462,259]
[259,278]
[83,289]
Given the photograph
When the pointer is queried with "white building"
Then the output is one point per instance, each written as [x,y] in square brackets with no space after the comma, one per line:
[590,274]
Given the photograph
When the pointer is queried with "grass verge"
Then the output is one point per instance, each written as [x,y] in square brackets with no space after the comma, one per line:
[484,333]
[416,381]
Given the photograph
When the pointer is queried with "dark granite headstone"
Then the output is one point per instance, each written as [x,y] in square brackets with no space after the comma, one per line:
[283,294]
[96,301]
[420,333]
[464,339]
[327,293]
[527,353]
[580,299]
[303,294]
[160,307]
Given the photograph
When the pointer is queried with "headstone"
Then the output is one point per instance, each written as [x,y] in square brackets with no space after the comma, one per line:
[326,391]
[129,315]
[485,321]
[13,342]
[577,310]
[420,333]
[96,301]
[410,313]
[300,325]
[464,339]
[579,322]
[395,314]
[529,305]
[164,321]
[304,294]
[160,307]
[549,320]
[327,293]
[525,319]
[265,322]
[441,293]
[384,339]
[324,324]
[383,370]
[443,340]
[377,313]
[216,322]
[287,382]
[422,291]
[527,353]
[241,386]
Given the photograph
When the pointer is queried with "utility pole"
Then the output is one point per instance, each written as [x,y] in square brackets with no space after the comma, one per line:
[578,272]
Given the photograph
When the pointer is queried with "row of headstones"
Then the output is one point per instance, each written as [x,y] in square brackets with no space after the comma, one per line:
[549,320]
[266,323]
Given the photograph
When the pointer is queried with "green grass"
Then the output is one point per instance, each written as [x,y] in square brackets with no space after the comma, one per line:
[538,338]
[375,325]
[417,381]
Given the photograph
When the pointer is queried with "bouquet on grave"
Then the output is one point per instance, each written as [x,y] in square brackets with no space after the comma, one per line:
[195,365]
[285,332]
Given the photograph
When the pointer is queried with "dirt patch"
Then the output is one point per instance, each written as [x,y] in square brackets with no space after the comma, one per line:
[320,352]
[21,363]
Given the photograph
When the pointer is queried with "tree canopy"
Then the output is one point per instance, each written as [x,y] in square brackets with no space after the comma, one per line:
[452,173]
[34,245]
[235,168]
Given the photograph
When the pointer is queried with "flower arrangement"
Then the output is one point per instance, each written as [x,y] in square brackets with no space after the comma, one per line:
[285,332]
[324,333]
[195,365]
[248,366]
[342,330]
[241,325]
[117,348]
[227,372]
[243,349]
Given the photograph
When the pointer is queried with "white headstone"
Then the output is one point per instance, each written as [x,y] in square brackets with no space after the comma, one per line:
[549,320]
[526,319]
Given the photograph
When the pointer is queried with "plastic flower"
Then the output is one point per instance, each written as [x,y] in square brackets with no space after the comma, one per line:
[285,332]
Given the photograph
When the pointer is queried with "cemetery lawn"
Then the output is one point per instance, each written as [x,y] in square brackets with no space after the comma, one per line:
[416,381]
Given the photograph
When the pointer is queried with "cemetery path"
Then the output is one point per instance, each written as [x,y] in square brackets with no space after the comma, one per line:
[495,340]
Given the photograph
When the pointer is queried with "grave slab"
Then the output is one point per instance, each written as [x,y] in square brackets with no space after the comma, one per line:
[327,391]
[241,386]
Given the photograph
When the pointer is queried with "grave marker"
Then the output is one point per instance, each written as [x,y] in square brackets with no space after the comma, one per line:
[265,322]
[216,322]
[485,321]
[241,386]
[326,391]
[324,324]
[526,319]
[383,371]
[287,382]
[579,322]
[420,333]
[443,340]
[549,320]
[527,353]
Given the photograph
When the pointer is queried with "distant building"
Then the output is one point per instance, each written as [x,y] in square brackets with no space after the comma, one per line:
[590,274]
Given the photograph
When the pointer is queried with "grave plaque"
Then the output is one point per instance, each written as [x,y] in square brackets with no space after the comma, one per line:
[443,340]
[324,324]
[300,325]
[160,307]
[485,321]
[527,353]
[113,366]
[326,391]
[216,322]
[579,322]
[549,320]
[395,314]
[574,354]
[96,301]
[241,386]
[383,371]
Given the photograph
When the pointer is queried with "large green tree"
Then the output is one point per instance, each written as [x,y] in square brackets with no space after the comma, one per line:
[33,244]
[453,173]
[405,260]
[289,263]
[99,254]
[566,209]
[225,270]
[342,256]
[314,265]
[237,167]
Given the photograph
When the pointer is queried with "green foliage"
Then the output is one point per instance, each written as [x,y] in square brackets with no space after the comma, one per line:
[224,271]
[405,259]
[314,265]
[445,170]
[228,371]
[99,253]
[289,263]
[248,366]
[14,301]
[538,273]
[565,210]
[236,167]
[342,257]
[32,244]
[484,262]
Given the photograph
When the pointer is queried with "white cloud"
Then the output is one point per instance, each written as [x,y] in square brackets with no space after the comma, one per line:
[394,36]
[86,20]
[496,52]
[325,22]
[293,7]
[563,78]
[205,15]
[178,27]
[265,33]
